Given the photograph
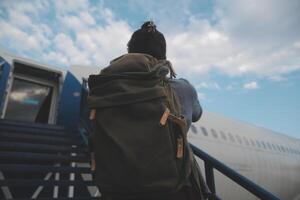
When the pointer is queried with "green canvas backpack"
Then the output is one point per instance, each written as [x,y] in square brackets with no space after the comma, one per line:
[140,139]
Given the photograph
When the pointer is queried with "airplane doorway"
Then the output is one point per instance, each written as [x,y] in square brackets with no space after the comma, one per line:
[29,101]
[32,93]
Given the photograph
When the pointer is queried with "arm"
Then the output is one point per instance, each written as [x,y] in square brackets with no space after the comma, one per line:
[197,109]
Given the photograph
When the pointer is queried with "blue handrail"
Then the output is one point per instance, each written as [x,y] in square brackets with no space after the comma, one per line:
[211,163]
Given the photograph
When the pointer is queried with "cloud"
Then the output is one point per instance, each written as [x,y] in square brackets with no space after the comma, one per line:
[22,30]
[56,57]
[201,96]
[251,86]
[17,38]
[237,38]
[297,44]
[230,87]
[208,85]
[78,32]
[241,38]
[65,45]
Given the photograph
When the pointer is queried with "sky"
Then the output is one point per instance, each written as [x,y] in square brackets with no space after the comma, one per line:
[242,56]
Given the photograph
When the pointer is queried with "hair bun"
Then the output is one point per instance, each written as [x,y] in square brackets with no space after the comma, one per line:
[149,26]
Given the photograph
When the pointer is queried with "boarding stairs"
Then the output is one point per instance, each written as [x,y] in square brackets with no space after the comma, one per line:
[39,161]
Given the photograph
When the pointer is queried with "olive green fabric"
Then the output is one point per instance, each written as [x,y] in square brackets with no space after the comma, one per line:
[136,155]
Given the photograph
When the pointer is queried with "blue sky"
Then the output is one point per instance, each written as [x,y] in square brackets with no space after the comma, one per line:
[241,55]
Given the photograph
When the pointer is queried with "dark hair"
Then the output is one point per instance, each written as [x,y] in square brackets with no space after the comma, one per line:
[148,40]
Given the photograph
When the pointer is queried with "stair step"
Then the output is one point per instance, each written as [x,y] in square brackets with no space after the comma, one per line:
[61,198]
[34,131]
[13,137]
[42,168]
[13,123]
[40,157]
[41,148]
[35,182]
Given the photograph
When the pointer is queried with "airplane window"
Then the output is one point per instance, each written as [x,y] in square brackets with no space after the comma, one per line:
[204,131]
[258,144]
[296,151]
[231,137]
[239,139]
[278,147]
[223,136]
[269,145]
[246,141]
[252,142]
[194,129]
[286,150]
[214,133]
[274,147]
[290,150]
[263,144]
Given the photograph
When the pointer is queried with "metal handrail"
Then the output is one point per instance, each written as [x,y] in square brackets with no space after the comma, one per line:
[212,163]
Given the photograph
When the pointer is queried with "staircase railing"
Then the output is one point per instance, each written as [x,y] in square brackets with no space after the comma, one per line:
[211,163]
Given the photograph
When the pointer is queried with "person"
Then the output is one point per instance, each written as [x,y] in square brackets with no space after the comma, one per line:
[149,40]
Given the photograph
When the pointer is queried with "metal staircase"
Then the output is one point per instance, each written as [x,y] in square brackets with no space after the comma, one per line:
[39,161]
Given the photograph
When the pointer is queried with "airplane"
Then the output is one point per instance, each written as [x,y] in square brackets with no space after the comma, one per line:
[36,96]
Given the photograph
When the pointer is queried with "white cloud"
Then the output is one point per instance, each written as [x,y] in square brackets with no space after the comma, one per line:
[244,38]
[65,45]
[17,38]
[87,18]
[20,19]
[22,30]
[277,78]
[57,58]
[208,85]
[65,7]
[74,36]
[297,44]
[251,86]
[201,96]
[230,87]
[73,22]
[198,48]
[239,38]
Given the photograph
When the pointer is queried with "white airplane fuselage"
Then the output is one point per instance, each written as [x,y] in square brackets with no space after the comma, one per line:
[267,158]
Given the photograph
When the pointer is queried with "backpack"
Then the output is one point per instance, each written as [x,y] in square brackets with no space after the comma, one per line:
[140,139]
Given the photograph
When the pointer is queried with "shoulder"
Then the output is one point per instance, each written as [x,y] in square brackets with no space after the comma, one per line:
[183,86]
[181,82]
